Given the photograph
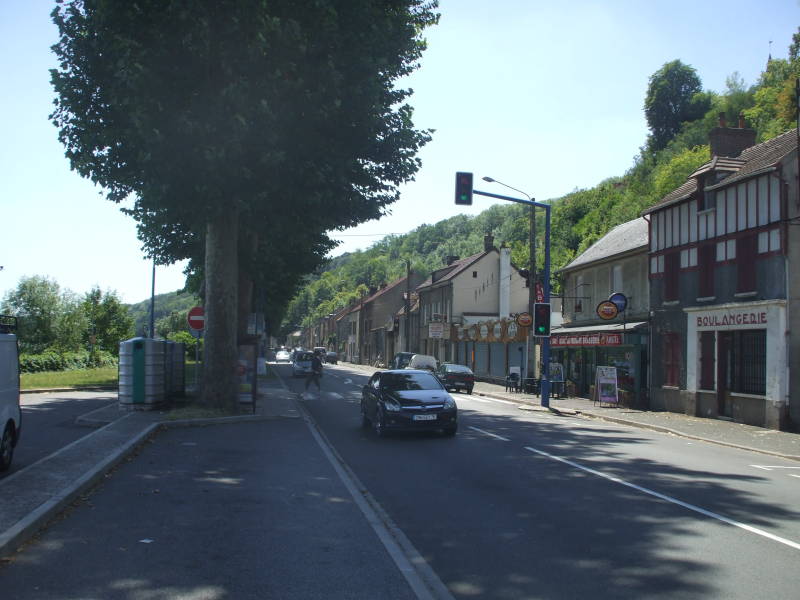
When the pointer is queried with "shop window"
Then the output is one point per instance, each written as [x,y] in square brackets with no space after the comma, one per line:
[672,359]
[746,263]
[707,360]
[749,372]
[705,274]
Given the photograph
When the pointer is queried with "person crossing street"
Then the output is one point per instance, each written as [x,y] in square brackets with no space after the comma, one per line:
[316,371]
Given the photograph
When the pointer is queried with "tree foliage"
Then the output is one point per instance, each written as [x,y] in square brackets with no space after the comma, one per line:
[671,100]
[232,122]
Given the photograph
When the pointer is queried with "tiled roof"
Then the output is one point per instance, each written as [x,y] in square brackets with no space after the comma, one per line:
[623,238]
[458,267]
[753,161]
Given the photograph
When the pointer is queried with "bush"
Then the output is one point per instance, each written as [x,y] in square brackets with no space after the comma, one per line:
[65,361]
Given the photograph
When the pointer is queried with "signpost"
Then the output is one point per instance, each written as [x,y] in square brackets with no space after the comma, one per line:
[197,323]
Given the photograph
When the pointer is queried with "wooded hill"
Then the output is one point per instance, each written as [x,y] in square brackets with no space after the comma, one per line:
[680,115]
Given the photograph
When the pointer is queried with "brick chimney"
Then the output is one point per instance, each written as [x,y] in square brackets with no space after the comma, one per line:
[730,141]
[488,242]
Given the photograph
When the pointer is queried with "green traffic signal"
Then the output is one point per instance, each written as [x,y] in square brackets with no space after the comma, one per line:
[541,320]
[463,188]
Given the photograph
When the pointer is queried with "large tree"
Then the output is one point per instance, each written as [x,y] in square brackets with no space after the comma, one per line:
[671,101]
[225,120]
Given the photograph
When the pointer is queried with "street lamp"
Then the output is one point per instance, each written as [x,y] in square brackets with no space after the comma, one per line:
[545,387]
[531,249]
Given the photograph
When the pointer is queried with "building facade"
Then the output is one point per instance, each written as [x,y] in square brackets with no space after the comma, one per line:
[723,270]
[613,268]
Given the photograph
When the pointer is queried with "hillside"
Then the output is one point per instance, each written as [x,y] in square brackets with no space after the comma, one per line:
[165,305]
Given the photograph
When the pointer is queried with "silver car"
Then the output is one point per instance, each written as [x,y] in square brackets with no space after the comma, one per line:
[301,366]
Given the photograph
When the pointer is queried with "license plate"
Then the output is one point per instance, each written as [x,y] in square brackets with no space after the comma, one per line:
[424,417]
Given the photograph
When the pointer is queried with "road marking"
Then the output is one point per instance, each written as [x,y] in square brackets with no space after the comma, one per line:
[494,435]
[793,475]
[335,395]
[666,498]
[481,400]
[770,467]
[348,381]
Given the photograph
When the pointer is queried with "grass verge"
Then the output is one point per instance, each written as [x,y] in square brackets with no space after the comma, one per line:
[106,376]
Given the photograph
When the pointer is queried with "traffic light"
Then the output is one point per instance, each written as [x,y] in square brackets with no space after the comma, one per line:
[463,188]
[541,320]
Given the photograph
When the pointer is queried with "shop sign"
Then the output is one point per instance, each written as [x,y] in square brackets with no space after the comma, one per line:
[731,319]
[591,339]
[605,385]
[435,330]
[607,310]
[524,319]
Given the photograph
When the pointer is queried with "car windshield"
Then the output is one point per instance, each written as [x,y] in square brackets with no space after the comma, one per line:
[409,381]
[457,369]
[304,356]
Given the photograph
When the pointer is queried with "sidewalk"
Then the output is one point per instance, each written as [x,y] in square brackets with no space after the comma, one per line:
[34,495]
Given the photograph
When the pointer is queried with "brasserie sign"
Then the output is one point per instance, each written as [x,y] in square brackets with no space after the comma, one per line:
[590,339]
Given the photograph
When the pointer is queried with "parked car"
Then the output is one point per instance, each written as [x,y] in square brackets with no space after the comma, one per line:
[400,360]
[456,377]
[283,356]
[423,361]
[320,351]
[405,399]
[10,413]
[332,358]
[302,363]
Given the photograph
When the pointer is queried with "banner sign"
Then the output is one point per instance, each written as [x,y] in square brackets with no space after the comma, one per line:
[435,330]
[591,339]
[556,373]
[605,385]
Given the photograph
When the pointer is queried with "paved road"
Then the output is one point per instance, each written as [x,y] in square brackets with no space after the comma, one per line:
[522,505]
[198,516]
[48,423]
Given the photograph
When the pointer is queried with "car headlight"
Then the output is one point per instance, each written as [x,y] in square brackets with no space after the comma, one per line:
[449,403]
[391,405]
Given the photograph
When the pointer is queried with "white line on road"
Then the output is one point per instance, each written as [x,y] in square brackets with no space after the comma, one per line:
[666,498]
[793,475]
[494,435]
[770,467]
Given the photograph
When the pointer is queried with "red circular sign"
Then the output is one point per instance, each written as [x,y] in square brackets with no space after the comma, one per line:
[197,318]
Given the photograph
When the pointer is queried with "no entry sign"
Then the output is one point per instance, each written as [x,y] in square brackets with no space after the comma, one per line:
[197,318]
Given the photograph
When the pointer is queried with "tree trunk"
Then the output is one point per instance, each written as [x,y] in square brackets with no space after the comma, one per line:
[220,385]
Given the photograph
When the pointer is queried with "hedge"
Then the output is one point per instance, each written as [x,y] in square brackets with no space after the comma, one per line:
[65,361]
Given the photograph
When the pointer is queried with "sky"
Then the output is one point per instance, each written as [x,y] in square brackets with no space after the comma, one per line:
[544,96]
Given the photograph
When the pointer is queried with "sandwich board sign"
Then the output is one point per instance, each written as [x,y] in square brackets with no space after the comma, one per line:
[605,385]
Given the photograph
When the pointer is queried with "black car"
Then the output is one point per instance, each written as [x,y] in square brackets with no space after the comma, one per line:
[407,400]
[456,377]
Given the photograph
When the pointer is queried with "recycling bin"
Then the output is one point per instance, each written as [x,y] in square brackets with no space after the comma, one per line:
[142,374]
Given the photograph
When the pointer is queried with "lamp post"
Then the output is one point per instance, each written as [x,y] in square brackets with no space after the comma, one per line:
[531,254]
[464,194]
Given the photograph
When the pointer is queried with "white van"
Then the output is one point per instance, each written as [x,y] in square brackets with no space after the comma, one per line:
[423,361]
[10,414]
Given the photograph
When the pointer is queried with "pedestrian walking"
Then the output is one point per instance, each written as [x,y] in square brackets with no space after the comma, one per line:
[316,371]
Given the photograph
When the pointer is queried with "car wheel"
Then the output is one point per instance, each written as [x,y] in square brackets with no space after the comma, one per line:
[450,431]
[378,423]
[6,448]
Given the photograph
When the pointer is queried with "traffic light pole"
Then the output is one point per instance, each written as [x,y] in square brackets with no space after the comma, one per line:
[545,381]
